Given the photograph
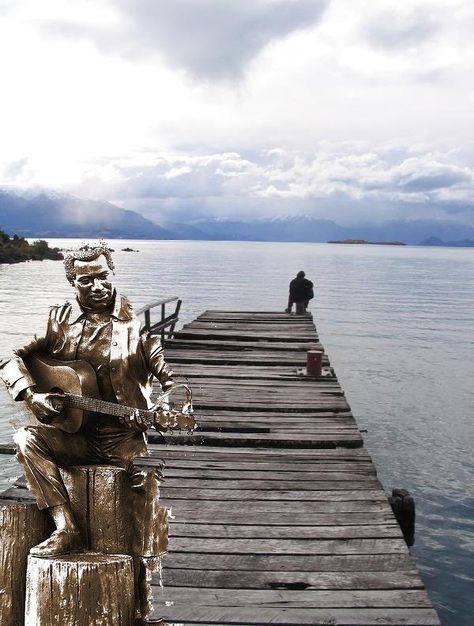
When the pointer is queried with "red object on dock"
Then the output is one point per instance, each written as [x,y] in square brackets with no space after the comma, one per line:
[314,363]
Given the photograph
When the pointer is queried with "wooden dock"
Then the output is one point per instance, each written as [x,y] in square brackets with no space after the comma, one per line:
[278,515]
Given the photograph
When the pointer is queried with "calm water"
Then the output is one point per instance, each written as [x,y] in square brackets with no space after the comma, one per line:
[397,324]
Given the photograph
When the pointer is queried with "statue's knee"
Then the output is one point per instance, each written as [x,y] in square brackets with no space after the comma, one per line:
[24,440]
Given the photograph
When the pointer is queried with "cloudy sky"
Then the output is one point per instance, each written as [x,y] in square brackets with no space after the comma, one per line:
[353,110]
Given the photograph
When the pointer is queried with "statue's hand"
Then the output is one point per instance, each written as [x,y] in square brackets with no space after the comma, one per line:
[135,421]
[45,406]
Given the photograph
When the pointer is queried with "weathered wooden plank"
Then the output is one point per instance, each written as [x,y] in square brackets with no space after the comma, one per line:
[249,495]
[233,531]
[274,563]
[248,336]
[305,386]
[226,468]
[215,424]
[268,475]
[290,546]
[285,358]
[398,598]
[201,486]
[251,517]
[260,329]
[235,370]
[301,458]
[294,580]
[193,507]
[217,344]
[283,440]
[338,617]
[245,453]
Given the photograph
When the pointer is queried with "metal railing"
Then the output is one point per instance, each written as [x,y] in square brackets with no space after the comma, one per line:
[165,322]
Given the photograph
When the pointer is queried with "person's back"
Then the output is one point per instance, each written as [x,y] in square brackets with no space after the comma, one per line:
[301,292]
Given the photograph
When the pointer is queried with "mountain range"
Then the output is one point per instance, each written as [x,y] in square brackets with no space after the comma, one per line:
[43,213]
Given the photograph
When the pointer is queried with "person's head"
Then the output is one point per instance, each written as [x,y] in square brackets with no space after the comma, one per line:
[300,274]
[88,269]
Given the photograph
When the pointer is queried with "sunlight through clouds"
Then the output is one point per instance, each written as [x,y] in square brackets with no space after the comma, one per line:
[177,105]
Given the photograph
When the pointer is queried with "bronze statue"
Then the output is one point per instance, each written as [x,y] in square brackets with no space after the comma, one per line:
[99,330]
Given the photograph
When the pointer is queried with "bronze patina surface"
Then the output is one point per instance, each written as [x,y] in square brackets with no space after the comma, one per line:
[99,329]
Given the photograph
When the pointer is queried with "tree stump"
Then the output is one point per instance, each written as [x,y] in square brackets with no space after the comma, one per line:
[80,590]
[116,519]
[100,497]
[22,526]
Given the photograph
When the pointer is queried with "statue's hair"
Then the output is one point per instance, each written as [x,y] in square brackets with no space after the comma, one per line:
[86,253]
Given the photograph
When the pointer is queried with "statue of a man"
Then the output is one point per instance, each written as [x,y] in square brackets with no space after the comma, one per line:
[101,329]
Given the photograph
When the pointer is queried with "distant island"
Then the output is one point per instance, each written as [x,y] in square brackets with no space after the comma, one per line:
[16,249]
[372,243]
[436,241]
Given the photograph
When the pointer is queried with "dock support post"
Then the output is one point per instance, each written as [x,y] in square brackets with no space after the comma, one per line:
[403,507]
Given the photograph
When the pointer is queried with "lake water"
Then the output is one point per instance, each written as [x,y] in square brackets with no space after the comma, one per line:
[397,323]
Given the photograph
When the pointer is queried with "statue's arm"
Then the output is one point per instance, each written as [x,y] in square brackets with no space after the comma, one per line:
[155,360]
[14,372]
[16,377]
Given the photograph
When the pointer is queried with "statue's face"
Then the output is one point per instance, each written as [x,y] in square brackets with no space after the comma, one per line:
[93,286]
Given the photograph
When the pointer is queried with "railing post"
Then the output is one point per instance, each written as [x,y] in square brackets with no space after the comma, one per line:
[163,311]
[147,319]
[160,327]
[176,312]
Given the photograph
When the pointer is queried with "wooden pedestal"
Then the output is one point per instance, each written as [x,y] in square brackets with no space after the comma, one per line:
[22,526]
[102,503]
[80,590]
[114,519]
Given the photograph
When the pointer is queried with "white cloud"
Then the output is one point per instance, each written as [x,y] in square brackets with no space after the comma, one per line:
[323,104]
[325,183]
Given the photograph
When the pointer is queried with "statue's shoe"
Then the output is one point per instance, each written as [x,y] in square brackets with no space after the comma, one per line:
[60,542]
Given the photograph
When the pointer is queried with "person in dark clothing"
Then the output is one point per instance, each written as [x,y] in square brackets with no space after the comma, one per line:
[301,292]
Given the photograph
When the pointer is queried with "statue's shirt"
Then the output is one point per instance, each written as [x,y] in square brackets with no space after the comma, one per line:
[124,358]
[94,347]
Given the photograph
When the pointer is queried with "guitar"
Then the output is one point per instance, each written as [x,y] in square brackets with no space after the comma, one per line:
[78,382]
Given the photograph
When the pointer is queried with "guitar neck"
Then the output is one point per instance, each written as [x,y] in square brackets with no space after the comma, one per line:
[149,418]
[109,408]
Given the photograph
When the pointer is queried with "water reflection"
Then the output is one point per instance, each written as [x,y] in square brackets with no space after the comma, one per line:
[397,323]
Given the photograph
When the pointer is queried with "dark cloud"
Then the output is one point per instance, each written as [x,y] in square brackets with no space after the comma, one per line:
[211,39]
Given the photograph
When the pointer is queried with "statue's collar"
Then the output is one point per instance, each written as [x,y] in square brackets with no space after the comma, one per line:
[122,310]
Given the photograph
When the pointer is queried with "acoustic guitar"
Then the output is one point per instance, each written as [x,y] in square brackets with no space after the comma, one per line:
[78,382]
